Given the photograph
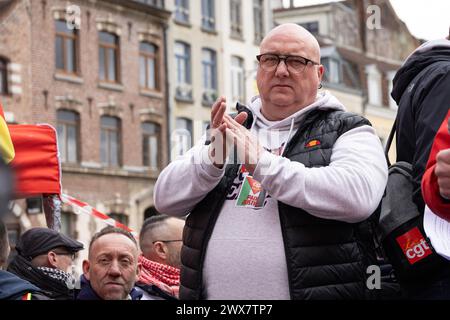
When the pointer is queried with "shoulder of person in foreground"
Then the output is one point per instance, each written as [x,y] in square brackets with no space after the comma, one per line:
[14,288]
[430,187]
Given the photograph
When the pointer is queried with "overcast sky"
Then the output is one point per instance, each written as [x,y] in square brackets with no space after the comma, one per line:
[426,19]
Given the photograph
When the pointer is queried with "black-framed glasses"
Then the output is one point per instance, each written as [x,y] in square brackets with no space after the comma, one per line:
[167,241]
[295,64]
[72,255]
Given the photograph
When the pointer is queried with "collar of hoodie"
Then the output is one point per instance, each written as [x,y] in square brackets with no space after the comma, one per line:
[324,101]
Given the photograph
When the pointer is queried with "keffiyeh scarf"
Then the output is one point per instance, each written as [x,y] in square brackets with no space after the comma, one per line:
[55,283]
[58,275]
[165,277]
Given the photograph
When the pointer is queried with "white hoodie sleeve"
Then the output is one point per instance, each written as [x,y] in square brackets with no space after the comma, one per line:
[186,181]
[348,189]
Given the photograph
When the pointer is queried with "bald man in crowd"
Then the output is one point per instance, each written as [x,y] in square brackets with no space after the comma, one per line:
[112,268]
[289,219]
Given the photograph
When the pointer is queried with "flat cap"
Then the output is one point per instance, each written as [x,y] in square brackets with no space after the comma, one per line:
[37,241]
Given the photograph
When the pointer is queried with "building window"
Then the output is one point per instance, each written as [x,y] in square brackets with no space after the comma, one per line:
[34,205]
[110,141]
[3,76]
[236,18]
[108,57]
[258,18]
[184,135]
[183,65]
[182,11]
[374,85]
[155,3]
[183,62]
[312,27]
[68,224]
[208,15]
[151,135]
[148,66]
[237,79]
[68,133]
[66,43]
[333,72]
[209,69]
[119,217]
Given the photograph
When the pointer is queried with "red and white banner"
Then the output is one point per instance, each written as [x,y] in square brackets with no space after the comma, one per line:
[82,207]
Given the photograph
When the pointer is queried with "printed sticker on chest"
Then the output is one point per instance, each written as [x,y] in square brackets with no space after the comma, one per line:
[252,195]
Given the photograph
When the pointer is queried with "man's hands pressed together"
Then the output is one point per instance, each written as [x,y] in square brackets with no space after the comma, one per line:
[248,148]
[227,132]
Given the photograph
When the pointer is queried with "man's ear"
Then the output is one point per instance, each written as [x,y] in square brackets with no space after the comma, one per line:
[52,259]
[320,72]
[160,250]
[86,268]
[138,269]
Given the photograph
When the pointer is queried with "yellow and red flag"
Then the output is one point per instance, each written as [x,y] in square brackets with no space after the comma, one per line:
[6,145]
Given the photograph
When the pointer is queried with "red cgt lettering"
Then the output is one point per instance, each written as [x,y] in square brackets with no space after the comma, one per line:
[414,245]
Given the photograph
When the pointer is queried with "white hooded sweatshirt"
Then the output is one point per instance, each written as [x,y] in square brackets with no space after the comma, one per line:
[245,257]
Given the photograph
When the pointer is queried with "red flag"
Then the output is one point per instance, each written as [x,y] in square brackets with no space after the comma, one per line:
[36,163]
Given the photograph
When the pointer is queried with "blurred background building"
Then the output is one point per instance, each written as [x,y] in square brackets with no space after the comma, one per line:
[102,84]
[129,85]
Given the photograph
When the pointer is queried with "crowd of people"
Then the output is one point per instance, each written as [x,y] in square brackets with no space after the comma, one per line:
[279,201]
[115,268]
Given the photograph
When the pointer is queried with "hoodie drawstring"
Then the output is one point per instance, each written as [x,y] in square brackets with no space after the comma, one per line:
[289,135]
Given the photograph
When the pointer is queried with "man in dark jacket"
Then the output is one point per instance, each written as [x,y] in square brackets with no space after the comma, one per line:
[112,267]
[45,258]
[88,293]
[11,286]
[14,288]
[291,219]
[422,92]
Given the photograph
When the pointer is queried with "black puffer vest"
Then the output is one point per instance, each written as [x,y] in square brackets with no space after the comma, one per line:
[326,259]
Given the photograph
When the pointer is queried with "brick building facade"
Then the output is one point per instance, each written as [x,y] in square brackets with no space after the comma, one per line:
[103,87]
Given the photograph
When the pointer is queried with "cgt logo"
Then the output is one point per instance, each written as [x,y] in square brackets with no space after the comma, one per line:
[414,245]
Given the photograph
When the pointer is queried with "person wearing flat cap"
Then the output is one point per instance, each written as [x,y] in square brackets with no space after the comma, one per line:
[44,259]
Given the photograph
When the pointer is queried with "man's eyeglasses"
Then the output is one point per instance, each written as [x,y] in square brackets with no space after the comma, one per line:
[166,241]
[72,255]
[295,64]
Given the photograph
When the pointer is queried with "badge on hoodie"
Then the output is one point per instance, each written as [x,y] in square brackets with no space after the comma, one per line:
[251,195]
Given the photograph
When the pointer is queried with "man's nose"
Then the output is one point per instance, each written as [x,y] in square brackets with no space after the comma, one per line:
[114,269]
[282,69]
